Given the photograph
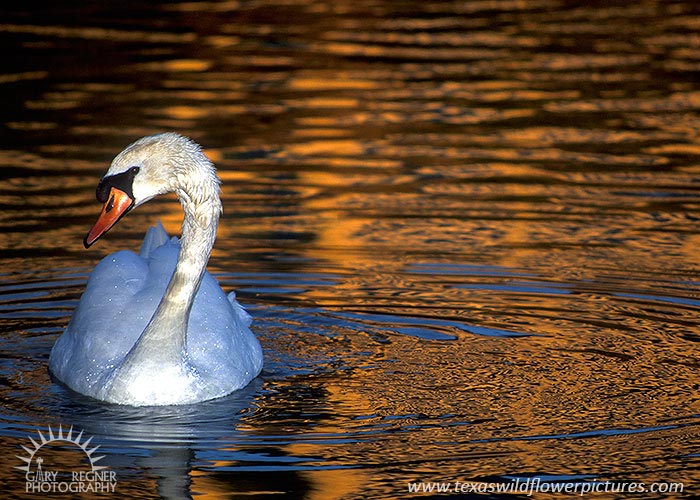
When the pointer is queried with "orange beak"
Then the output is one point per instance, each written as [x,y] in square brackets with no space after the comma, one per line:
[117,205]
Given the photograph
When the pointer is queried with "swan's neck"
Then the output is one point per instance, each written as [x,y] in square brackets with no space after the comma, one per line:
[198,235]
[164,339]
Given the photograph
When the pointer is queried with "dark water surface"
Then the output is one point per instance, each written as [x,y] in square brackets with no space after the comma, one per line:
[468,233]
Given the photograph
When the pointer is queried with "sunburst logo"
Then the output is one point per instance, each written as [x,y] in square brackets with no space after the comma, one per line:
[84,477]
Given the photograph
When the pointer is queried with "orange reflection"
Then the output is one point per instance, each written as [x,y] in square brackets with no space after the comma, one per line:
[334,147]
[185,112]
[329,84]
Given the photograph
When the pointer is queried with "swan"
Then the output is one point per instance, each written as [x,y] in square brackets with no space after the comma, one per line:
[156,328]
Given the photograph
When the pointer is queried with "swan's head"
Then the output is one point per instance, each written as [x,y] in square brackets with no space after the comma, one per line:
[153,165]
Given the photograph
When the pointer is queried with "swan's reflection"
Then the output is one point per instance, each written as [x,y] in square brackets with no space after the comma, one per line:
[159,443]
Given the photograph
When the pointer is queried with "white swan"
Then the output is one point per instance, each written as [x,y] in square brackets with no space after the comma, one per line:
[156,328]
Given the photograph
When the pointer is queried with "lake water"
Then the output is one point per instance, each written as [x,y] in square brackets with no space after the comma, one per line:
[468,232]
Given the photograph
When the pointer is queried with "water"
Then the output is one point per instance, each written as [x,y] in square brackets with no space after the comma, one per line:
[467,231]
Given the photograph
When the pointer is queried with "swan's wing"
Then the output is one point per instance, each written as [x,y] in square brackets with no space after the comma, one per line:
[240,311]
[120,298]
[101,327]
[219,341]
[156,236]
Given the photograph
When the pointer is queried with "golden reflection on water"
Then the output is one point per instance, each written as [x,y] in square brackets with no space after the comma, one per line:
[505,176]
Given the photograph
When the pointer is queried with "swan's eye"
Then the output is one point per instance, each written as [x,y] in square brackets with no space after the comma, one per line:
[123,181]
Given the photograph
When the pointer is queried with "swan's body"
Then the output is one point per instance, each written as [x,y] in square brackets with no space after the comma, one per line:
[156,328]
